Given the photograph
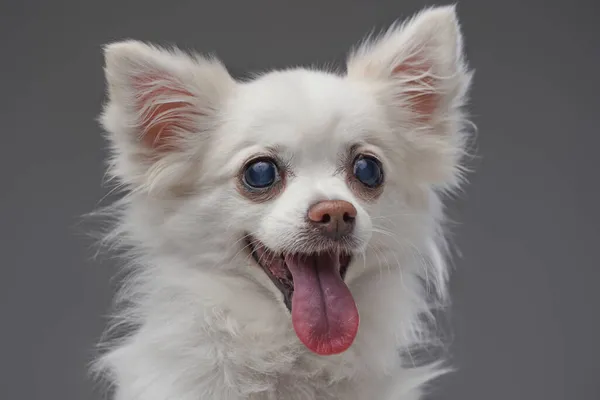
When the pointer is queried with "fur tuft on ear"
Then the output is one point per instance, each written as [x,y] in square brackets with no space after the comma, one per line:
[160,102]
[417,70]
[421,60]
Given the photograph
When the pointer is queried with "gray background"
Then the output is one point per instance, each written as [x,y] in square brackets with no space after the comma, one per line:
[525,313]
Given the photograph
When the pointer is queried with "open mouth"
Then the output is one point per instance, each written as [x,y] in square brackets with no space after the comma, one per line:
[324,314]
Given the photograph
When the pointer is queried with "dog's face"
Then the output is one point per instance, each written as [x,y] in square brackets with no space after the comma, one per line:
[295,171]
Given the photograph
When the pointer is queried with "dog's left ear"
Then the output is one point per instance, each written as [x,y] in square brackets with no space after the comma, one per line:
[417,71]
[162,105]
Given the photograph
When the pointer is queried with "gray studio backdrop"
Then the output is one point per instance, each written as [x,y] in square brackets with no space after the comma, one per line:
[525,312]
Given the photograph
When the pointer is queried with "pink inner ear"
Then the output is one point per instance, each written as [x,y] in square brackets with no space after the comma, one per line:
[421,90]
[162,119]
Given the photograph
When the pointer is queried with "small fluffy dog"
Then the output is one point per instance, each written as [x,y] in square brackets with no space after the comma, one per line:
[284,234]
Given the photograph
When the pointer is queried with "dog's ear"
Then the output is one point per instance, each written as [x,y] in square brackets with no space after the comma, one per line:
[161,104]
[417,71]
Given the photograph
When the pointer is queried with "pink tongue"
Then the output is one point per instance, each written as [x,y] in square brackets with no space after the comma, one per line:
[324,313]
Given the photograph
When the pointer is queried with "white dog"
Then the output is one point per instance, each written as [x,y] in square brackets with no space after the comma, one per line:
[285,233]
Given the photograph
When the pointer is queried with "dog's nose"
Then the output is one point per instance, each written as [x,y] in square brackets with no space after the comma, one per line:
[334,218]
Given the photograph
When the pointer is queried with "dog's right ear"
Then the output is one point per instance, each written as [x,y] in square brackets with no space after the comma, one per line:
[162,104]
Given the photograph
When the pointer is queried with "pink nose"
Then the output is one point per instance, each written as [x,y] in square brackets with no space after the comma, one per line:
[334,218]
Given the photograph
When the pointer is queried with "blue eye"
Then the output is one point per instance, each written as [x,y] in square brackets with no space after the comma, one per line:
[368,171]
[261,174]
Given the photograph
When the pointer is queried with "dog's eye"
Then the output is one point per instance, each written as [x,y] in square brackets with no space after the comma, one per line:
[368,171]
[261,174]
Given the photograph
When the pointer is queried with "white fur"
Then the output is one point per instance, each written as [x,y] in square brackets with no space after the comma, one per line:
[202,320]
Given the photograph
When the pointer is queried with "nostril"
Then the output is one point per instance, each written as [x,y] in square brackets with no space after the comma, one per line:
[348,218]
[326,218]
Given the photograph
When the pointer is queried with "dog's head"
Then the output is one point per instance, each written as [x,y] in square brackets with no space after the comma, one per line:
[295,172]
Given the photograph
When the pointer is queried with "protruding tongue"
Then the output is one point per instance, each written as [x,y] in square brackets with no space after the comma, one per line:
[324,313]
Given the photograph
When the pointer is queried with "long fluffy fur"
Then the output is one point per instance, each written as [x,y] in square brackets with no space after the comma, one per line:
[194,318]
